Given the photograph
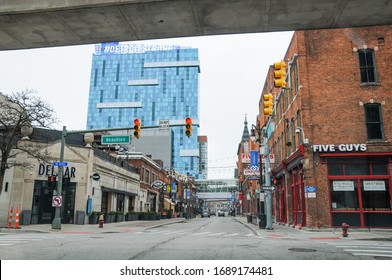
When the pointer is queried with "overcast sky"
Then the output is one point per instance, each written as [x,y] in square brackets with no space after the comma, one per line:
[233,71]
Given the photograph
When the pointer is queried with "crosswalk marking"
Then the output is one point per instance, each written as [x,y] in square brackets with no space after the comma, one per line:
[366,249]
[205,233]
[9,240]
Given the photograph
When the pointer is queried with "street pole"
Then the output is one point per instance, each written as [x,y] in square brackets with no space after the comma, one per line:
[262,205]
[56,224]
[268,193]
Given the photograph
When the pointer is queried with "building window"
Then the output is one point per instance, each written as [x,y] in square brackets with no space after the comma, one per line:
[103,68]
[367,66]
[95,77]
[118,72]
[374,125]
[116,92]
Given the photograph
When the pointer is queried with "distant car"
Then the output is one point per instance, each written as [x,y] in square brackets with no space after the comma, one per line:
[212,213]
[221,213]
[205,214]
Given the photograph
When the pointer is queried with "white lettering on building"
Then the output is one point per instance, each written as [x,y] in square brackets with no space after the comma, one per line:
[321,148]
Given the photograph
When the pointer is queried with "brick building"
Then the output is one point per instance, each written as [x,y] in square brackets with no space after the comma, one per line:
[331,129]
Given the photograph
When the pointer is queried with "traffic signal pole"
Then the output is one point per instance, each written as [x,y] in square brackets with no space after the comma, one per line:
[56,224]
[267,176]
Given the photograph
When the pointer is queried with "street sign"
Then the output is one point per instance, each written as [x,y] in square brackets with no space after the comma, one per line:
[95,177]
[59,163]
[267,188]
[115,139]
[254,159]
[57,201]
[163,125]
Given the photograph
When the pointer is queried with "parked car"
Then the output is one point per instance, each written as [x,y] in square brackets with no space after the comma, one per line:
[221,213]
[205,214]
[212,213]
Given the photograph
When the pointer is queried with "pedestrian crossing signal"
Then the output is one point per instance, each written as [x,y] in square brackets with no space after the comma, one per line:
[52,182]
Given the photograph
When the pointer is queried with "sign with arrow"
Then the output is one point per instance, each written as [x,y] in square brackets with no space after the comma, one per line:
[268,188]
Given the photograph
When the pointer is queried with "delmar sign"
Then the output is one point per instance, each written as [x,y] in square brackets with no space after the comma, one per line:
[115,139]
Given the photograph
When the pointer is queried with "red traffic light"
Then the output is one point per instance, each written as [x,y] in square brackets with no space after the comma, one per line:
[188,127]
[137,127]
[52,179]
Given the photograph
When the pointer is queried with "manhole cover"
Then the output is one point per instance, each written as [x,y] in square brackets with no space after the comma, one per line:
[302,250]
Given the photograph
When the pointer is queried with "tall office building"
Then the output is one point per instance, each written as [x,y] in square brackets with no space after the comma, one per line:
[153,83]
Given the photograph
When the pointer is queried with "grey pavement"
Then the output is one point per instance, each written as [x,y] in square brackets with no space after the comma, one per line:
[284,231]
[279,231]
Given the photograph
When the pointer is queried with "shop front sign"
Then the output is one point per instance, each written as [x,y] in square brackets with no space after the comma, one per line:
[328,148]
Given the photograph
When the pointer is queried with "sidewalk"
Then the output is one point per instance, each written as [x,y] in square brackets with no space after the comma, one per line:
[282,231]
[94,229]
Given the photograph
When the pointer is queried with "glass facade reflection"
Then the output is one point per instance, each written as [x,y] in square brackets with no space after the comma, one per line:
[152,84]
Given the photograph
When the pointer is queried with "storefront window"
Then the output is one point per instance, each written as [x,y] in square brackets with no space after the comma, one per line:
[375,195]
[344,195]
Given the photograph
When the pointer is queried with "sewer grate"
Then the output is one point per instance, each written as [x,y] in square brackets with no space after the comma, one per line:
[302,250]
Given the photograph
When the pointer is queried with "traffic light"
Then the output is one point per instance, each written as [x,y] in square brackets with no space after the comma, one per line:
[188,127]
[136,128]
[52,182]
[280,74]
[275,182]
[268,104]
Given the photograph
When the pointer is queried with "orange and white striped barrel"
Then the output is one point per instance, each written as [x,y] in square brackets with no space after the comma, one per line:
[17,218]
[10,219]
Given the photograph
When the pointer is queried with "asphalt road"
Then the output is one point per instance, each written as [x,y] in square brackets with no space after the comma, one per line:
[215,238]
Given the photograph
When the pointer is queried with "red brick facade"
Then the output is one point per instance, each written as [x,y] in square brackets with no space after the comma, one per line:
[324,104]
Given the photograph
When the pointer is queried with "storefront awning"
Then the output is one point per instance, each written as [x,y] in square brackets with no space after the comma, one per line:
[106,189]
[169,201]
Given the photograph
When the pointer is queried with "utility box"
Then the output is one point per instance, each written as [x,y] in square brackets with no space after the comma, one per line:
[80,217]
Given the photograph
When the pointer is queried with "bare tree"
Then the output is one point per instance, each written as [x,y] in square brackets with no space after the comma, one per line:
[19,113]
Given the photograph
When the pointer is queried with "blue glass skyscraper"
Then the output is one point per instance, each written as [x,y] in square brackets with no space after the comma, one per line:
[151,83]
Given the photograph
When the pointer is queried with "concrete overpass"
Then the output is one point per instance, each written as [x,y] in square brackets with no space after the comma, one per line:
[40,23]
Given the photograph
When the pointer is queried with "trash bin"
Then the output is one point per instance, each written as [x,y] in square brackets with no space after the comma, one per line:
[262,221]
[249,218]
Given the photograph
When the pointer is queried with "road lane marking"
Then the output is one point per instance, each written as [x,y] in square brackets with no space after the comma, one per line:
[201,233]
[233,234]
[216,234]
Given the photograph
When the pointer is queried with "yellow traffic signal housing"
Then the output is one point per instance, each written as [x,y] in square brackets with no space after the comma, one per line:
[280,74]
[188,127]
[136,129]
[268,104]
